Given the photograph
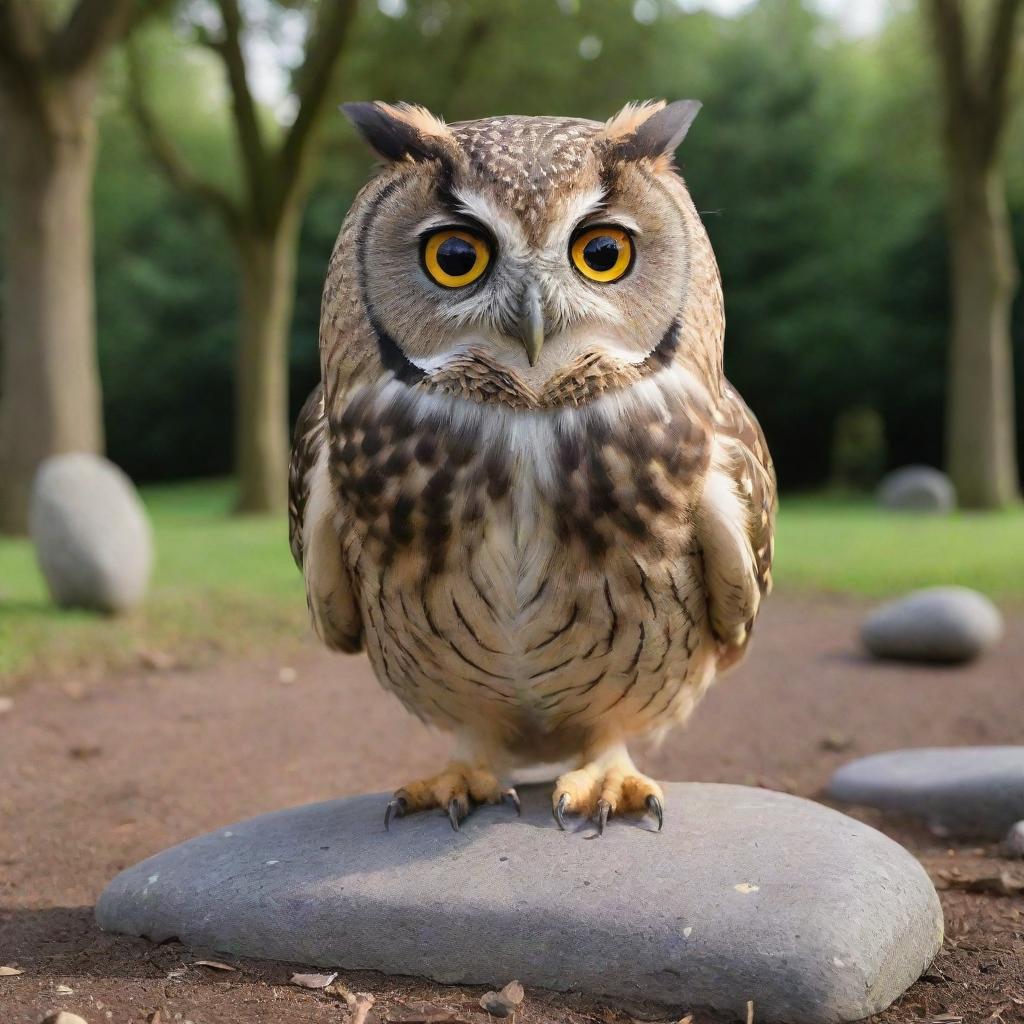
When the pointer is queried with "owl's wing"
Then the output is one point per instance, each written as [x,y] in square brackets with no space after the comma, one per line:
[736,525]
[313,532]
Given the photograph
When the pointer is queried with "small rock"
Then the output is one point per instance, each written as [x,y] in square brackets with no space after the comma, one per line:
[958,791]
[1013,844]
[943,624]
[91,534]
[63,1017]
[287,675]
[917,489]
[6,704]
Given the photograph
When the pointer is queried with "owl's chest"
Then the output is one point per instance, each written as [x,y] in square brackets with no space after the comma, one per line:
[424,482]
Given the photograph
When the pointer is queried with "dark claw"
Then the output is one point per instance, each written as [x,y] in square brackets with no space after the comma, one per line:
[455,812]
[654,806]
[605,808]
[398,807]
[511,795]
[563,802]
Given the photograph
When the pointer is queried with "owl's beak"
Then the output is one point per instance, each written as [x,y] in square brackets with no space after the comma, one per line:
[531,323]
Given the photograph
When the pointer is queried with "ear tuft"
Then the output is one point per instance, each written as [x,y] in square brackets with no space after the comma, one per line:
[650,130]
[399,131]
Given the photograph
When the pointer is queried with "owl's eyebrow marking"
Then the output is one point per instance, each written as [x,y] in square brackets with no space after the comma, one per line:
[391,355]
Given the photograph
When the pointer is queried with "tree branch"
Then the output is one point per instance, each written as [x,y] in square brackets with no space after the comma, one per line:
[166,155]
[92,27]
[326,41]
[996,68]
[247,126]
[950,32]
[22,34]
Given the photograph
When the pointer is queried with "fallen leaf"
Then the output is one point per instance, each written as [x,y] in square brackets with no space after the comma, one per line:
[747,887]
[495,1004]
[215,964]
[85,751]
[10,972]
[287,675]
[688,1019]
[513,992]
[316,981]
[177,972]
[947,1018]
[1003,884]
[6,704]
[64,990]
[342,993]
[364,1001]
[159,661]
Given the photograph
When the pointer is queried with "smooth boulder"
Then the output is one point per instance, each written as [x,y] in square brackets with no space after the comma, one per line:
[940,624]
[959,791]
[917,489]
[746,895]
[91,534]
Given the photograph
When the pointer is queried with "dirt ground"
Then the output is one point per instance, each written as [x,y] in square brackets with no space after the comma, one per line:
[97,774]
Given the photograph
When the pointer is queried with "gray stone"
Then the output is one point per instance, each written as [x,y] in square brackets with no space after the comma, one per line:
[962,791]
[945,624]
[91,534]
[746,895]
[1013,844]
[917,489]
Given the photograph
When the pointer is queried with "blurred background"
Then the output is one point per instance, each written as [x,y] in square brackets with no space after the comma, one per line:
[175,174]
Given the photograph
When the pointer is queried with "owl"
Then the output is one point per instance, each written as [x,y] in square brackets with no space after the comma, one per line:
[524,485]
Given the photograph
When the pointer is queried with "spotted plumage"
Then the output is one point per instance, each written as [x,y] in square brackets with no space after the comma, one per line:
[531,495]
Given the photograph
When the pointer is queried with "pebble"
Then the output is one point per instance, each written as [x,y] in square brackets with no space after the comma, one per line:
[939,624]
[957,791]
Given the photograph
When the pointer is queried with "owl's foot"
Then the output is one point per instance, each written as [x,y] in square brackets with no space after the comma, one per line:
[602,788]
[456,790]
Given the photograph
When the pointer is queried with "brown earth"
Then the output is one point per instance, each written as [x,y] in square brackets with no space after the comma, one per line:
[97,775]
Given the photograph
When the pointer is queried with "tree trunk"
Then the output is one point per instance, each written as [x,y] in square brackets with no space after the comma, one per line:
[980,432]
[267,263]
[50,400]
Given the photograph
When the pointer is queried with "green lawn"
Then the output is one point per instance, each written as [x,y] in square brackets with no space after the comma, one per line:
[227,585]
[221,585]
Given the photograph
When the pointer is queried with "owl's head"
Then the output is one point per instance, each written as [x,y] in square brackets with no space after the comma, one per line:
[529,260]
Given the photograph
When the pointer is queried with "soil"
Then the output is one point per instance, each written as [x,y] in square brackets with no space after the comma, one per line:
[95,775]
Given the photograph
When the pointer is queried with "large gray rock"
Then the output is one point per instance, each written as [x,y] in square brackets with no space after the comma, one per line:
[917,489]
[946,624]
[91,534]
[963,791]
[746,895]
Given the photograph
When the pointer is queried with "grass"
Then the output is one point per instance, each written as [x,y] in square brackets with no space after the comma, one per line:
[853,547]
[227,586]
[221,585]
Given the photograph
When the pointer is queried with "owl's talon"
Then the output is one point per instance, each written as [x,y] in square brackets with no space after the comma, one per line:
[512,796]
[560,811]
[396,806]
[654,806]
[456,812]
[604,809]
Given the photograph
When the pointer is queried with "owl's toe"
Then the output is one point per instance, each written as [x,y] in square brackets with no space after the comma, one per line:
[601,790]
[456,791]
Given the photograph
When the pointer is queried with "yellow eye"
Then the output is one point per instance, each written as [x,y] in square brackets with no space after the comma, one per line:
[455,258]
[602,254]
